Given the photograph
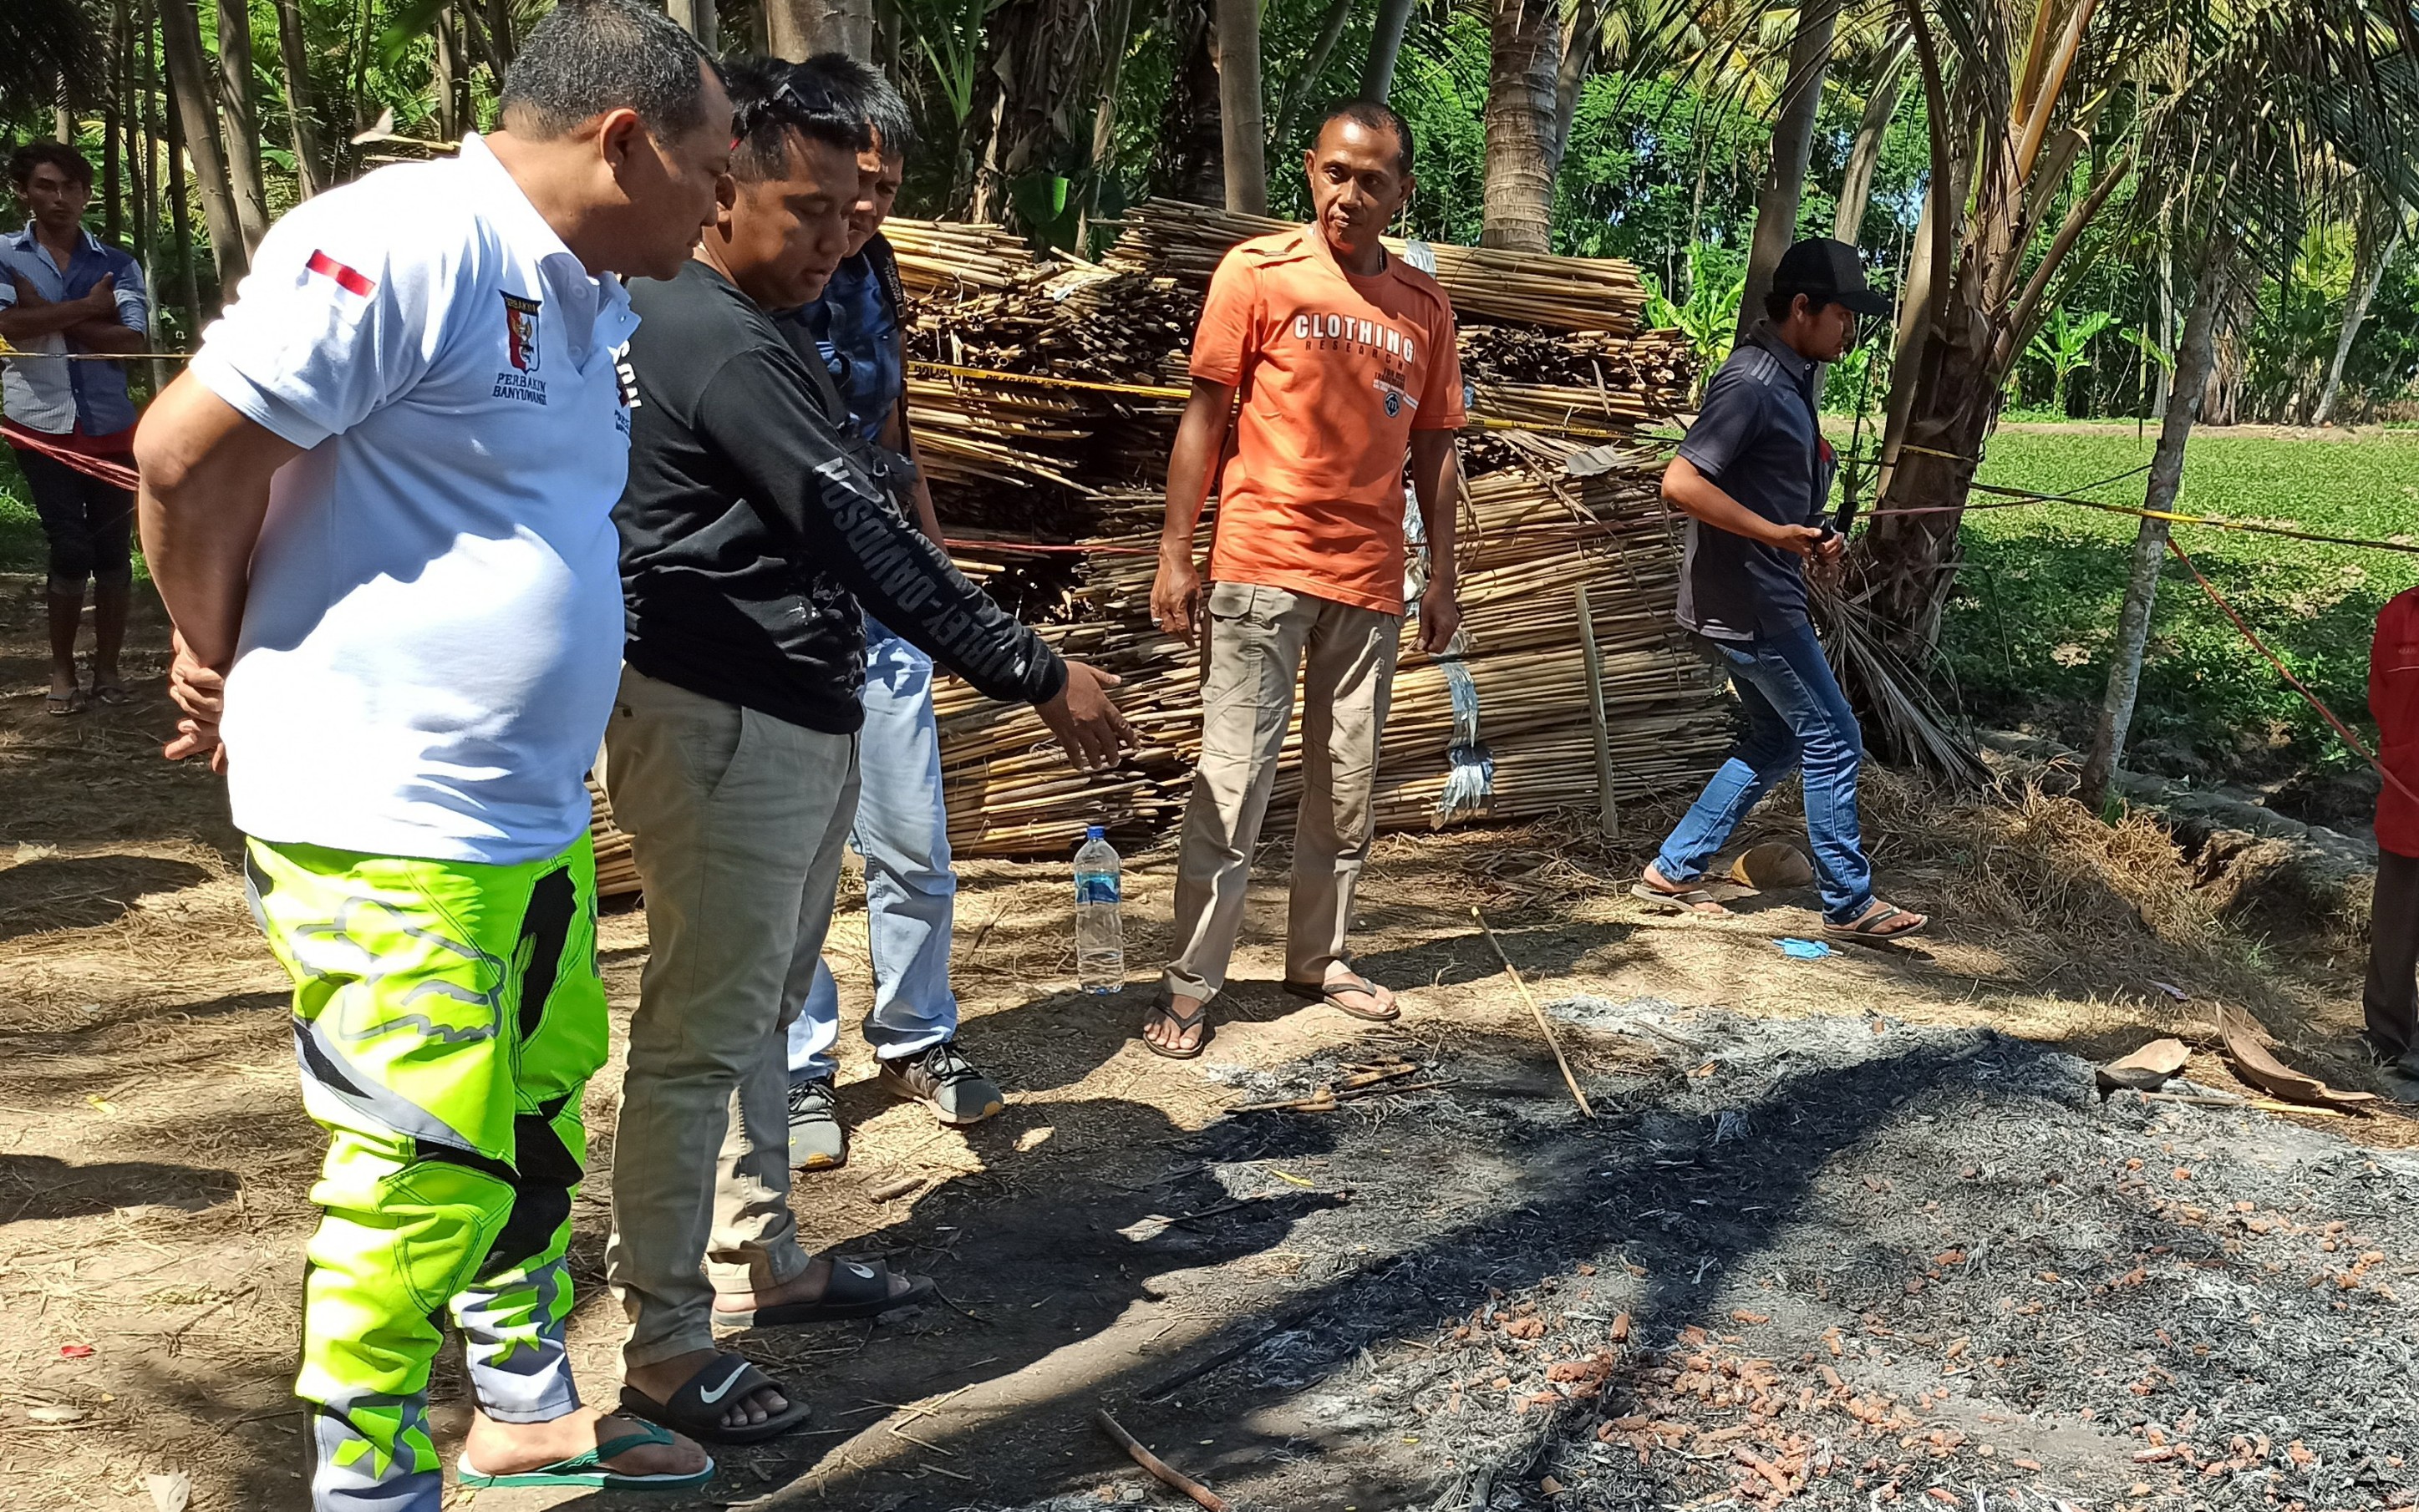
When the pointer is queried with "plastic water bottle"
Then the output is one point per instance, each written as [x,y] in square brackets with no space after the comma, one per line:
[1100,934]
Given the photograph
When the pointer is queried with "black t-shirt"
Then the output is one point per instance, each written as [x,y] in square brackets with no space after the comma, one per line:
[754,523]
[1757,439]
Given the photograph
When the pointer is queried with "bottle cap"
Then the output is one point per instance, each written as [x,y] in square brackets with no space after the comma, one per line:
[1094,832]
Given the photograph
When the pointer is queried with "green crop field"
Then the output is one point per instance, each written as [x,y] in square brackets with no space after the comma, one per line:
[2037,603]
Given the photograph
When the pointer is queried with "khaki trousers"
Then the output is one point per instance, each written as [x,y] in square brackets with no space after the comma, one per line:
[1259,640]
[736,821]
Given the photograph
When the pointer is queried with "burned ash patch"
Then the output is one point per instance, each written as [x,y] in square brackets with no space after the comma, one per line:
[1830,1262]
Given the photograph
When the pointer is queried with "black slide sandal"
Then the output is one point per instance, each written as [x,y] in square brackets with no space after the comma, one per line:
[856,1289]
[697,1408]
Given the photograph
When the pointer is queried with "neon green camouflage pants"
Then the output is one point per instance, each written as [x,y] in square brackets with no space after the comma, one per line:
[447,1016]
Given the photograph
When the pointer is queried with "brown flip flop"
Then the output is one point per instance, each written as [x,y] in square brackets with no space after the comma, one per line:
[1701,897]
[1330,993]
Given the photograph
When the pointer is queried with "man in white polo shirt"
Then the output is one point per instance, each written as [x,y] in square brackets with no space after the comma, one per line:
[379,506]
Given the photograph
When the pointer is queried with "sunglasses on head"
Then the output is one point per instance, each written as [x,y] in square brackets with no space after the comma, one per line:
[784,102]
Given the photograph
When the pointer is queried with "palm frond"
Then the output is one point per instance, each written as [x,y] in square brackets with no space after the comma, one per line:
[50,51]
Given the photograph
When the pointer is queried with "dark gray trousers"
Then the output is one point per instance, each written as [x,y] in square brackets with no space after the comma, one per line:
[2390,1000]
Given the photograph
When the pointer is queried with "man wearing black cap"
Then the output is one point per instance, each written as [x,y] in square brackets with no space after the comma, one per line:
[1752,477]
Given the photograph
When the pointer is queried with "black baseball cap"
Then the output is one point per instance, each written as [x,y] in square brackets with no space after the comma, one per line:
[1829,272]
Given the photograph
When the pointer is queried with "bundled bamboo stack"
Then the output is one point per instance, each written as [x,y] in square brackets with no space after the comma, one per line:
[1044,397]
[1531,537]
[617,870]
[1165,238]
[1657,365]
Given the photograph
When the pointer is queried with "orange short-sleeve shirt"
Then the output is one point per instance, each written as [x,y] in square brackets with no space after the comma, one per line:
[1335,372]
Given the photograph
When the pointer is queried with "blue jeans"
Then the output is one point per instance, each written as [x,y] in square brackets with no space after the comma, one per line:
[903,831]
[1796,718]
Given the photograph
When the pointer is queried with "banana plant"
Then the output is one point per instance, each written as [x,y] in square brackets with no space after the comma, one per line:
[2064,342]
[1709,316]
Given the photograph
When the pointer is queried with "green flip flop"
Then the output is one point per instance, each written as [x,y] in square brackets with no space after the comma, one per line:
[589,1469]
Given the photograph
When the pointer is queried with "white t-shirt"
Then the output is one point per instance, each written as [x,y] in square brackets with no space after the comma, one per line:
[433,634]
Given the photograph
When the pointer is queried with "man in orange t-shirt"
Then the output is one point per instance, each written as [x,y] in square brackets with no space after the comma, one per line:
[1344,359]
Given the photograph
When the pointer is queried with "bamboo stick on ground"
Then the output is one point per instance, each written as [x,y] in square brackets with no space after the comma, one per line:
[1161,1471]
[1544,1025]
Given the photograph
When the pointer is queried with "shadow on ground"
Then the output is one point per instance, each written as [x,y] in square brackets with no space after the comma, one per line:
[83,892]
[41,1186]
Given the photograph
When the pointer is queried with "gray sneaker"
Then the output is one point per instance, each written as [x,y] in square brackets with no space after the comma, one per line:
[818,1140]
[943,1081]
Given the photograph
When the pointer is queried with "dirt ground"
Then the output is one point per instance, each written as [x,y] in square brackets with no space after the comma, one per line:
[1461,1296]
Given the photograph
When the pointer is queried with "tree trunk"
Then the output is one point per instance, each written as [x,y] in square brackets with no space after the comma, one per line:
[1243,134]
[113,120]
[1104,160]
[180,219]
[2166,314]
[1865,152]
[242,122]
[1906,349]
[1041,55]
[1985,290]
[301,102]
[1520,184]
[445,80]
[1305,78]
[1792,141]
[2193,356]
[698,19]
[140,70]
[800,28]
[1385,46]
[2364,289]
[188,92]
[500,45]
[1192,164]
[1578,59]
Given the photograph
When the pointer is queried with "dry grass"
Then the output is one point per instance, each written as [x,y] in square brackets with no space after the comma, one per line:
[2029,861]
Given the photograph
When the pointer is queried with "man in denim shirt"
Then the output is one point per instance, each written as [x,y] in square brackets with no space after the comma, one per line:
[66,298]
[1752,477]
[903,830]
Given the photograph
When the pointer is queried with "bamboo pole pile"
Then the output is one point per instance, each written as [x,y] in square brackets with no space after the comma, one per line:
[1036,393]
[1167,238]
[1529,539]
[617,870]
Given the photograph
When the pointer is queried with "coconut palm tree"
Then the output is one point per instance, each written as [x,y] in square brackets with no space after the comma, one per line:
[1524,64]
[2034,128]
[2277,92]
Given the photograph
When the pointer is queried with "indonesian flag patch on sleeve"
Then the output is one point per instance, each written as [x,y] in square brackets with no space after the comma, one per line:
[347,278]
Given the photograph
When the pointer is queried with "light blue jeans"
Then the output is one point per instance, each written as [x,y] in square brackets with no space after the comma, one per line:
[903,831]
[1796,718]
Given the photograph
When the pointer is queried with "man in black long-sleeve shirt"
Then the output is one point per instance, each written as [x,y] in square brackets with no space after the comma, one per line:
[754,523]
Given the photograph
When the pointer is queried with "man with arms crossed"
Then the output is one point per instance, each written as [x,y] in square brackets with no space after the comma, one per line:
[1752,476]
[903,828]
[755,519]
[62,291]
[378,507]
[1343,357]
